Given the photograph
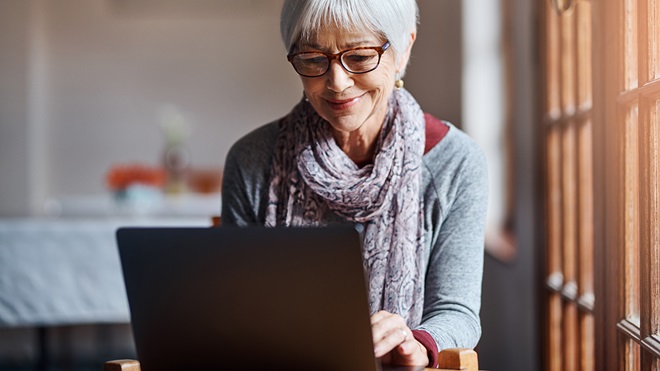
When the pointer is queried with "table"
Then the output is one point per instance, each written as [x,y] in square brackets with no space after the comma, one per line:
[66,271]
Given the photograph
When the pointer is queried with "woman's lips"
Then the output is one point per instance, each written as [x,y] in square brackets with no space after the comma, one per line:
[343,104]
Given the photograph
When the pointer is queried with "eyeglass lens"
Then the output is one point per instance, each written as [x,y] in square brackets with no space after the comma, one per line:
[356,61]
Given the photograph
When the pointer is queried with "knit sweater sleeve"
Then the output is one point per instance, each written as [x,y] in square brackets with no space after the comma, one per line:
[458,187]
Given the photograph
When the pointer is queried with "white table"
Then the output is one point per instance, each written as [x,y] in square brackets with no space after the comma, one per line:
[66,270]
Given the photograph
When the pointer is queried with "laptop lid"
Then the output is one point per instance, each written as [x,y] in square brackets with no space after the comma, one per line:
[247,298]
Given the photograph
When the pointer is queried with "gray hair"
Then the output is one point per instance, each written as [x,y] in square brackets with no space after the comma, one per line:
[394,20]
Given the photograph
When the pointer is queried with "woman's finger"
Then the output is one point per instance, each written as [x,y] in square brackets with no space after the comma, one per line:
[410,353]
[394,338]
[384,322]
[394,342]
[376,317]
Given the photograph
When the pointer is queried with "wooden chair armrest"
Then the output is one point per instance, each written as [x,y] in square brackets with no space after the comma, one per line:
[216,221]
[458,359]
[122,365]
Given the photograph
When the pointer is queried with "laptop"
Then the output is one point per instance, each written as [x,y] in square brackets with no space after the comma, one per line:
[247,298]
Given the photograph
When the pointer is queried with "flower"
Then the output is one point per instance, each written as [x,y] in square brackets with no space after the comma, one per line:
[119,177]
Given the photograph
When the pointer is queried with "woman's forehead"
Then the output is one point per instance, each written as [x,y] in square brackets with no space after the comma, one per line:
[342,38]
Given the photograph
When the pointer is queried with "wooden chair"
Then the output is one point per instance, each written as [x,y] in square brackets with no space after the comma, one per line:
[448,359]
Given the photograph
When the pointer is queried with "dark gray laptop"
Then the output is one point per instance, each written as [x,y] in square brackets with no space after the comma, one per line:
[247,298]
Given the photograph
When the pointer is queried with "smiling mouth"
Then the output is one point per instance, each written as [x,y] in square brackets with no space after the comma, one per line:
[343,104]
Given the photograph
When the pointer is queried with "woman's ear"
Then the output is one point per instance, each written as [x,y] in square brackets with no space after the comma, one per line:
[405,56]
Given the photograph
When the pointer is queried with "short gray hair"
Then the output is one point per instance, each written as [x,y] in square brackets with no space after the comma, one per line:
[395,20]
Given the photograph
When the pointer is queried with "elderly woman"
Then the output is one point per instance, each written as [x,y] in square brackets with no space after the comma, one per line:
[359,149]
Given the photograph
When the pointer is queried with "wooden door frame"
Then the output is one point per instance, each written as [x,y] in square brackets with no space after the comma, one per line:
[609,199]
[607,163]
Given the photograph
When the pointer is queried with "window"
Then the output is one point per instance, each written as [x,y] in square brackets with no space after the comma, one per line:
[567,126]
[601,130]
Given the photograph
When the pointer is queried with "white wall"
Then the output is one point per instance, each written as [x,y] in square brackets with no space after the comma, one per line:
[14,49]
[83,83]
[112,67]
[436,64]
[484,98]
[510,313]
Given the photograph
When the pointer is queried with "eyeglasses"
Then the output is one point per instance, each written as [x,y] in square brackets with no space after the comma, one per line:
[357,60]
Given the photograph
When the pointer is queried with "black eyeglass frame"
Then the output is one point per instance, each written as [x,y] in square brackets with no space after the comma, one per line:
[330,56]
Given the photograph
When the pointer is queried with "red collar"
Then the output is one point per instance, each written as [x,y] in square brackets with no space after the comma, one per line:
[436,129]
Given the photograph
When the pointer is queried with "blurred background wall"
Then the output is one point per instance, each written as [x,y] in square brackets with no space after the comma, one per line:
[91,78]
[84,84]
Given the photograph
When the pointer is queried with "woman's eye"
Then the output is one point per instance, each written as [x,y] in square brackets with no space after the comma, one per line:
[313,59]
[359,58]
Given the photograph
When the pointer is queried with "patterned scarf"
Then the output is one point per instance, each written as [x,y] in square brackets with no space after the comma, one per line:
[311,175]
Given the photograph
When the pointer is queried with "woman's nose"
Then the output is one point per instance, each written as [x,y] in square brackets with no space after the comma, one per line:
[337,78]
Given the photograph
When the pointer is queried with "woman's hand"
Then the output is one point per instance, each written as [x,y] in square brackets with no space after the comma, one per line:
[394,342]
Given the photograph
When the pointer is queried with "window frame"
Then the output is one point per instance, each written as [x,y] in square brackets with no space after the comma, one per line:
[625,208]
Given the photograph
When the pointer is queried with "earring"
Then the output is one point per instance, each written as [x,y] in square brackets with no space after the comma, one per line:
[398,82]
[305,97]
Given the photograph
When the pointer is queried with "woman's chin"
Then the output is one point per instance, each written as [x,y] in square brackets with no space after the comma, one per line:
[345,124]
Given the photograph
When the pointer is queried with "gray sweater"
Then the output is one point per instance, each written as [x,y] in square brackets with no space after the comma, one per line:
[454,190]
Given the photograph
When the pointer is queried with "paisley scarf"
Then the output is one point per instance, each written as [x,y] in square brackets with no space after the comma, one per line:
[312,176]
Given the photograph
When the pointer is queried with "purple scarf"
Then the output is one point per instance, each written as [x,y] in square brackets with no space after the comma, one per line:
[311,176]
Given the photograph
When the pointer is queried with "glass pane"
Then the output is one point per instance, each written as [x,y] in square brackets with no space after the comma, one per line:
[654,38]
[655,255]
[633,359]
[554,257]
[552,61]
[650,217]
[569,206]
[555,355]
[649,361]
[585,244]
[585,213]
[630,45]
[583,12]
[587,343]
[568,59]
[570,338]
[649,214]
[631,249]
[571,326]
[554,200]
